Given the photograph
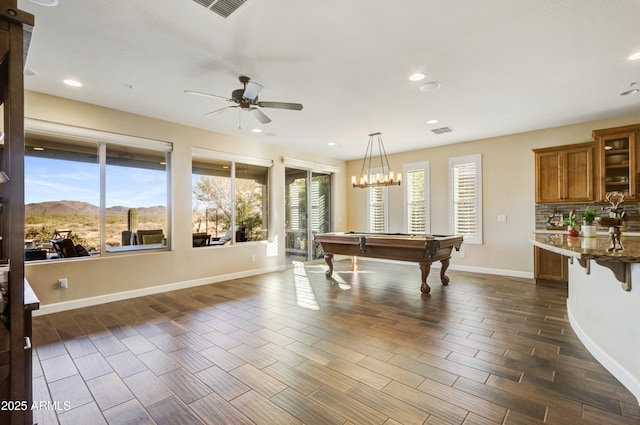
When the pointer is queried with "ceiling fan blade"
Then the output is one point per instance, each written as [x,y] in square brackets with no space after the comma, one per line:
[219,110]
[197,93]
[281,105]
[257,113]
[252,90]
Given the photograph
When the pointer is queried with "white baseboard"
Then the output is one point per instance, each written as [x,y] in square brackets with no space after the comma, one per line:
[119,296]
[619,372]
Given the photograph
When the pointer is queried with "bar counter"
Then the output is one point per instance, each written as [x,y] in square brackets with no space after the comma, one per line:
[588,248]
[603,307]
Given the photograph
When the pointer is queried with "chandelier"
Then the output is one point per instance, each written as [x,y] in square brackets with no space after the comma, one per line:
[382,178]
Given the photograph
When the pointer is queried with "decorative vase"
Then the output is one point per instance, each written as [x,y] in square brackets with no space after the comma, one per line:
[589,230]
[571,231]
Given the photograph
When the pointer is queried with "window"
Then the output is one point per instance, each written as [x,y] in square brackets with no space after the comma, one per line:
[465,184]
[98,189]
[211,197]
[377,201]
[416,192]
[62,191]
[251,202]
[135,197]
[307,208]
[229,198]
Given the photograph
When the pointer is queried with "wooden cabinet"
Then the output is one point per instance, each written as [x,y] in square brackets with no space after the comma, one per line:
[549,265]
[618,154]
[565,173]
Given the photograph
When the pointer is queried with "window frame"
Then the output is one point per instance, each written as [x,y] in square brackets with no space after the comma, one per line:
[407,168]
[233,159]
[102,139]
[476,160]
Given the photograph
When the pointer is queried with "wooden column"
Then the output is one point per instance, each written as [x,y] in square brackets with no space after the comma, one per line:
[13,24]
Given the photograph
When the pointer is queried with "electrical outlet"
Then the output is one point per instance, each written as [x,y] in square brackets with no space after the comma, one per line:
[253,258]
[502,218]
[63,283]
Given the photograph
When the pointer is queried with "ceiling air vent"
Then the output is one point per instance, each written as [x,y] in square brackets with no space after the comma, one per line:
[223,8]
[442,130]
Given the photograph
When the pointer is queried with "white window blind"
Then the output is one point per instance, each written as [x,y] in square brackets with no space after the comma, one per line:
[294,196]
[416,197]
[377,210]
[377,201]
[466,197]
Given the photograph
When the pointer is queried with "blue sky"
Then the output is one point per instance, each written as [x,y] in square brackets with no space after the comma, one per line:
[56,180]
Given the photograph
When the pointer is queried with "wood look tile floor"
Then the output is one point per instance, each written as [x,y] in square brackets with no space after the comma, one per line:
[293,347]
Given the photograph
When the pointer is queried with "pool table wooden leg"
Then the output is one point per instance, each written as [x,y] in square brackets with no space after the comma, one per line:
[445,265]
[354,263]
[425,268]
[328,258]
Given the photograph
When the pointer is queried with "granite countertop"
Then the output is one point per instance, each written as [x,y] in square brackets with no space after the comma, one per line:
[588,248]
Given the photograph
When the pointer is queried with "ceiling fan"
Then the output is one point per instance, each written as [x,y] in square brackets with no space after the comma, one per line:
[247,98]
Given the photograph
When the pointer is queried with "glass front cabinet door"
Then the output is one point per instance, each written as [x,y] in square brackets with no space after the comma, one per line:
[618,160]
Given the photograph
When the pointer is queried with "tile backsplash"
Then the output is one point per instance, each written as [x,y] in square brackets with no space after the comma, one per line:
[543,211]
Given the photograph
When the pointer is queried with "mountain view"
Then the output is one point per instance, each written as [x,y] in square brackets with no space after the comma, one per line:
[85,208]
[42,219]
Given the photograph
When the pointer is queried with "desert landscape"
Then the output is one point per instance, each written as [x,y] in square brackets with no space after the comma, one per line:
[83,219]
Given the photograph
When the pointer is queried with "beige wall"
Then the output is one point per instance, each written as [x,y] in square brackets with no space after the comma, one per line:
[508,189]
[104,276]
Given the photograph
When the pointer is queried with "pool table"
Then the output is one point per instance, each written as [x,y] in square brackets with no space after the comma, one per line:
[423,249]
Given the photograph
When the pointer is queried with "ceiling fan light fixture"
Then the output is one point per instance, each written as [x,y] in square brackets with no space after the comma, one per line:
[247,98]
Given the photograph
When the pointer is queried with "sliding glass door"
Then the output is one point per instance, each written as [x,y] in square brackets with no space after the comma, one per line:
[308,211]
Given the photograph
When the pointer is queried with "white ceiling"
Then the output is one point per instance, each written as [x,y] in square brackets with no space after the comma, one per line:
[506,66]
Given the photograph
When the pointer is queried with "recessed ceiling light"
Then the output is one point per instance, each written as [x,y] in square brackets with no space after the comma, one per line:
[432,122]
[331,143]
[634,57]
[38,148]
[417,76]
[430,86]
[45,2]
[257,130]
[73,83]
